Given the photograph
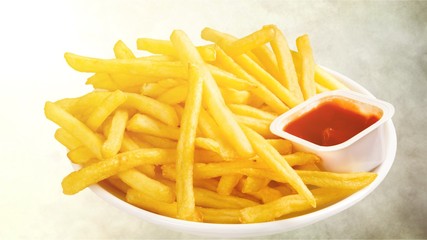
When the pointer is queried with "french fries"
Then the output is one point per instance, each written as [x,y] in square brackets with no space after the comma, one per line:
[185,132]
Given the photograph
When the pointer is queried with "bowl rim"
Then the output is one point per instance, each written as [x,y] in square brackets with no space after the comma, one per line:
[273,227]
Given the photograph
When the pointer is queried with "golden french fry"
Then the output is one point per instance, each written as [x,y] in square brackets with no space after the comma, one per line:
[75,127]
[283,146]
[209,128]
[208,144]
[114,140]
[260,126]
[251,41]
[146,105]
[144,124]
[102,81]
[121,51]
[250,111]
[80,155]
[214,215]
[174,95]
[66,139]
[147,186]
[213,99]
[211,199]
[186,145]
[227,183]
[337,180]
[132,66]
[254,184]
[306,81]
[91,174]
[228,80]
[146,202]
[289,204]
[157,46]
[101,112]
[267,194]
[273,159]
[233,96]
[327,80]
[159,142]
[287,74]
[320,88]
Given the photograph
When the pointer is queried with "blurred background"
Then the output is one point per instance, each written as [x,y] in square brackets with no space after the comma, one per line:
[380,44]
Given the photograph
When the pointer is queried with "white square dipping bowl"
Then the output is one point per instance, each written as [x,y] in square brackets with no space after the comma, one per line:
[362,152]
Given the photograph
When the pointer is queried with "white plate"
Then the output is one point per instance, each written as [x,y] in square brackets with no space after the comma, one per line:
[267,228]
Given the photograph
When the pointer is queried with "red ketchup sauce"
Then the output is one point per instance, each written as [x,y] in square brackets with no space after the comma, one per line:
[330,123]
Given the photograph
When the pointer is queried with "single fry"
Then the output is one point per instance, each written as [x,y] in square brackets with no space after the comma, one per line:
[251,41]
[66,139]
[174,95]
[114,140]
[185,149]
[91,174]
[101,112]
[156,109]
[289,204]
[253,112]
[75,127]
[165,47]
[132,66]
[227,183]
[327,80]
[80,155]
[306,81]
[147,185]
[144,124]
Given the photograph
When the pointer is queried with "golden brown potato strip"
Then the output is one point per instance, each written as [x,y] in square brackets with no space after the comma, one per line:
[306,81]
[186,145]
[132,66]
[91,174]
[289,204]
[75,127]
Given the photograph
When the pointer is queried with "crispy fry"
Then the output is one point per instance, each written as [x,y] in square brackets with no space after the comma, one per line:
[227,183]
[306,80]
[144,124]
[86,176]
[75,127]
[161,111]
[66,139]
[133,66]
[147,186]
[80,155]
[101,112]
[288,204]
[112,144]
[251,41]
[250,111]
[165,47]
[186,144]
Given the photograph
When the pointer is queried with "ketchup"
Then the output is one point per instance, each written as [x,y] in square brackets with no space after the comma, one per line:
[330,124]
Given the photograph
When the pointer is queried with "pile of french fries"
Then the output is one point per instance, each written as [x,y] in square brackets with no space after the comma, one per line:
[183,131]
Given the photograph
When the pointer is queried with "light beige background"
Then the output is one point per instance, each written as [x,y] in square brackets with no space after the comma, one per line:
[380,44]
